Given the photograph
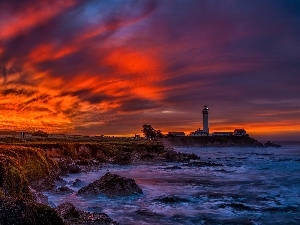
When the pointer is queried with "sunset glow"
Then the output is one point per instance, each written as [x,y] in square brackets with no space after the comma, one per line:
[107,67]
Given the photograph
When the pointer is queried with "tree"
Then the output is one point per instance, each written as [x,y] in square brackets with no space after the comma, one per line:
[40,133]
[149,131]
[159,134]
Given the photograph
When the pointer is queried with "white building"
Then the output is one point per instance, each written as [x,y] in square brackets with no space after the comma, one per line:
[240,132]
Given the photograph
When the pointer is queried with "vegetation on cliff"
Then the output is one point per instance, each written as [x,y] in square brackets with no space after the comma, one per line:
[18,165]
[122,151]
[28,167]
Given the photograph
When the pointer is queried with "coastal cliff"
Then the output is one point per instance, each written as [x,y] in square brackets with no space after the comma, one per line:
[29,168]
[215,141]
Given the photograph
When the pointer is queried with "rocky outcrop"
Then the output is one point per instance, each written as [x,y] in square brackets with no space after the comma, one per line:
[45,184]
[75,157]
[215,141]
[270,144]
[111,185]
[21,212]
[77,183]
[20,165]
[173,156]
[64,190]
[73,168]
[171,199]
[202,164]
[71,216]
[122,159]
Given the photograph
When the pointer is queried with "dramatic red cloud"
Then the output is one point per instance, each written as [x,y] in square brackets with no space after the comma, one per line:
[141,72]
[15,21]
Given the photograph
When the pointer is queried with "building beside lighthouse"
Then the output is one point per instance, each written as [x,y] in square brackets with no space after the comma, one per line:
[205,129]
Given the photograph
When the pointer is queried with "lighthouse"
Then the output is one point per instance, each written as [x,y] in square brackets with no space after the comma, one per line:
[205,119]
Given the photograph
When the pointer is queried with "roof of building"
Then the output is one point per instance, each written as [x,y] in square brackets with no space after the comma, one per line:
[240,130]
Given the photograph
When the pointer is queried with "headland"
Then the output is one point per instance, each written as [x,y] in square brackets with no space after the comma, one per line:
[28,168]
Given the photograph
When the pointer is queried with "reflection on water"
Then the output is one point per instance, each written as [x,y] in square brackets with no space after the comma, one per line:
[252,186]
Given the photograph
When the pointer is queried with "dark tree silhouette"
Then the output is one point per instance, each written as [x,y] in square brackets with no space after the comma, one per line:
[149,131]
[159,134]
[40,133]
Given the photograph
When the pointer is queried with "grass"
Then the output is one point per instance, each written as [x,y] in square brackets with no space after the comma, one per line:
[18,165]
[23,162]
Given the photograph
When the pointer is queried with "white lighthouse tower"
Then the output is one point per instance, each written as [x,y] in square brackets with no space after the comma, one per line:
[205,119]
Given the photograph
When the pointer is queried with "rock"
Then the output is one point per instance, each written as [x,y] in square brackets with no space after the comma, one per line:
[77,183]
[240,206]
[147,157]
[83,162]
[202,164]
[64,190]
[73,168]
[21,212]
[171,199]
[192,156]
[173,156]
[112,185]
[38,196]
[122,159]
[13,183]
[173,168]
[45,184]
[84,151]
[59,181]
[71,215]
[146,215]
[270,144]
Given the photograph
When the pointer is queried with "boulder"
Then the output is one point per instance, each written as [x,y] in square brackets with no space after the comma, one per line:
[270,144]
[173,156]
[202,164]
[71,215]
[171,199]
[111,185]
[45,184]
[38,196]
[64,190]
[77,183]
[122,159]
[173,168]
[73,168]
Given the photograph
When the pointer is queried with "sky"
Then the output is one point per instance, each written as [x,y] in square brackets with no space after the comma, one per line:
[96,67]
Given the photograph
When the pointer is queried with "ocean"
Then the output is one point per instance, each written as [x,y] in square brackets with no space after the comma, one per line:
[240,186]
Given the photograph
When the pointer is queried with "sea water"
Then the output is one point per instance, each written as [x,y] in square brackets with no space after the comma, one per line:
[252,186]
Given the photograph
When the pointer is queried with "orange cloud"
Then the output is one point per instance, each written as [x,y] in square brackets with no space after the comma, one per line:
[48,52]
[31,16]
[141,71]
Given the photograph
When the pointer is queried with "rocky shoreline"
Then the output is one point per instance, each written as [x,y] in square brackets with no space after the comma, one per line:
[28,169]
[219,141]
